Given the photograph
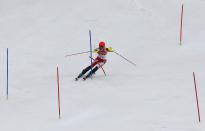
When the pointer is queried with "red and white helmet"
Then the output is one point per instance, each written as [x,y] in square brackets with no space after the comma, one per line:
[101,44]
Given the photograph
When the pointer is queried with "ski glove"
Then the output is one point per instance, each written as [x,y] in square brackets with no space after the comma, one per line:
[110,49]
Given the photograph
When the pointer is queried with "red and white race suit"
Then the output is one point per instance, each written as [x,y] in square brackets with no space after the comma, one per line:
[100,60]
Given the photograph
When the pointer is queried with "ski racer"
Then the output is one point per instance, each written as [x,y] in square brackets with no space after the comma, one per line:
[98,62]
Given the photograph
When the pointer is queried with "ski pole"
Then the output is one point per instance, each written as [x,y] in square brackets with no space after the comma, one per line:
[77,53]
[125,58]
[91,51]
[100,67]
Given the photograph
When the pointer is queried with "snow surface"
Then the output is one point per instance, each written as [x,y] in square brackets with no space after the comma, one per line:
[156,95]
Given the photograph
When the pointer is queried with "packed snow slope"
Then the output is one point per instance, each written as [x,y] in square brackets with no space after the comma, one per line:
[156,95]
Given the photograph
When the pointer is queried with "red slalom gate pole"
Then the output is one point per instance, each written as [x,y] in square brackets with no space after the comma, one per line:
[197,99]
[7,74]
[58,83]
[181,24]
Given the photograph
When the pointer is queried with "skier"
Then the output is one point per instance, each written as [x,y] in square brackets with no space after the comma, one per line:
[98,62]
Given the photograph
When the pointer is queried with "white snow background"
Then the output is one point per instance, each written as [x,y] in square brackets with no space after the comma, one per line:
[156,95]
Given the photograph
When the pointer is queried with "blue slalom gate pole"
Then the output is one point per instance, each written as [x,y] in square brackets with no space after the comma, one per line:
[7,74]
[91,52]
